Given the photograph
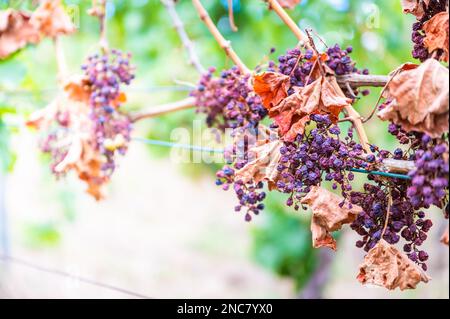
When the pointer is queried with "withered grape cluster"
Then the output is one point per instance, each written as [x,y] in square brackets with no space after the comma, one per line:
[318,155]
[418,35]
[387,199]
[428,186]
[298,65]
[249,193]
[392,208]
[104,75]
[228,100]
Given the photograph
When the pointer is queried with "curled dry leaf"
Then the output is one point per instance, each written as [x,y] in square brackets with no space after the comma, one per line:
[414,7]
[79,152]
[16,32]
[436,34]
[419,99]
[323,96]
[289,4]
[444,237]
[387,267]
[327,215]
[271,87]
[265,156]
[51,20]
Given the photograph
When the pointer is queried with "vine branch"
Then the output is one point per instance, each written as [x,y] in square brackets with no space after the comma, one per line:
[275,6]
[360,80]
[185,40]
[224,44]
[159,110]
[99,10]
[353,79]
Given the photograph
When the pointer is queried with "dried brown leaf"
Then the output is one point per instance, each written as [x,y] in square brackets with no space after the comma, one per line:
[271,87]
[385,266]
[413,7]
[444,237]
[82,156]
[436,34]
[16,32]
[322,96]
[419,99]
[51,19]
[328,215]
[263,166]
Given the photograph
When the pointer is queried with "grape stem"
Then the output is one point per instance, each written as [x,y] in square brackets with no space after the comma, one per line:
[159,110]
[99,10]
[60,60]
[356,119]
[224,44]
[185,40]
[387,214]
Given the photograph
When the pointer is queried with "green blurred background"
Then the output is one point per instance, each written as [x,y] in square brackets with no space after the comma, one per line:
[280,240]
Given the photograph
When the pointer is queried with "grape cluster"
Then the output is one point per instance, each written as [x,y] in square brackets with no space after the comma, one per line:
[430,177]
[418,35]
[52,142]
[404,221]
[298,65]
[104,75]
[249,194]
[321,153]
[428,186]
[229,100]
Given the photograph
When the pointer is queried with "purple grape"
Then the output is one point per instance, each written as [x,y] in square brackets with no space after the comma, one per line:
[229,100]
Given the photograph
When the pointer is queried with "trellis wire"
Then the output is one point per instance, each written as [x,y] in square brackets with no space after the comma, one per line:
[18,261]
[4,231]
[215,150]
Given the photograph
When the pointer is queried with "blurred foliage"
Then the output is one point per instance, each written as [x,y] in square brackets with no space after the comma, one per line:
[377,30]
[283,244]
[39,235]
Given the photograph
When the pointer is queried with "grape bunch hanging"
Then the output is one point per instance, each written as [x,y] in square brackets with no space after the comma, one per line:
[304,99]
[302,151]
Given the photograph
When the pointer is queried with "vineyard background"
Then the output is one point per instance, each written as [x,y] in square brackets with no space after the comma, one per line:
[165,230]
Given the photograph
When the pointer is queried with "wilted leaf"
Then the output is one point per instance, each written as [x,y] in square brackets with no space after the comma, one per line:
[414,7]
[271,87]
[436,34]
[289,4]
[78,89]
[16,32]
[51,19]
[82,155]
[263,166]
[328,215]
[323,96]
[420,99]
[444,238]
[385,266]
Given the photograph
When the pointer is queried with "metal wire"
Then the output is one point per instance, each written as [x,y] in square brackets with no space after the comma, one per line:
[205,149]
[18,261]
[177,145]
[387,174]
